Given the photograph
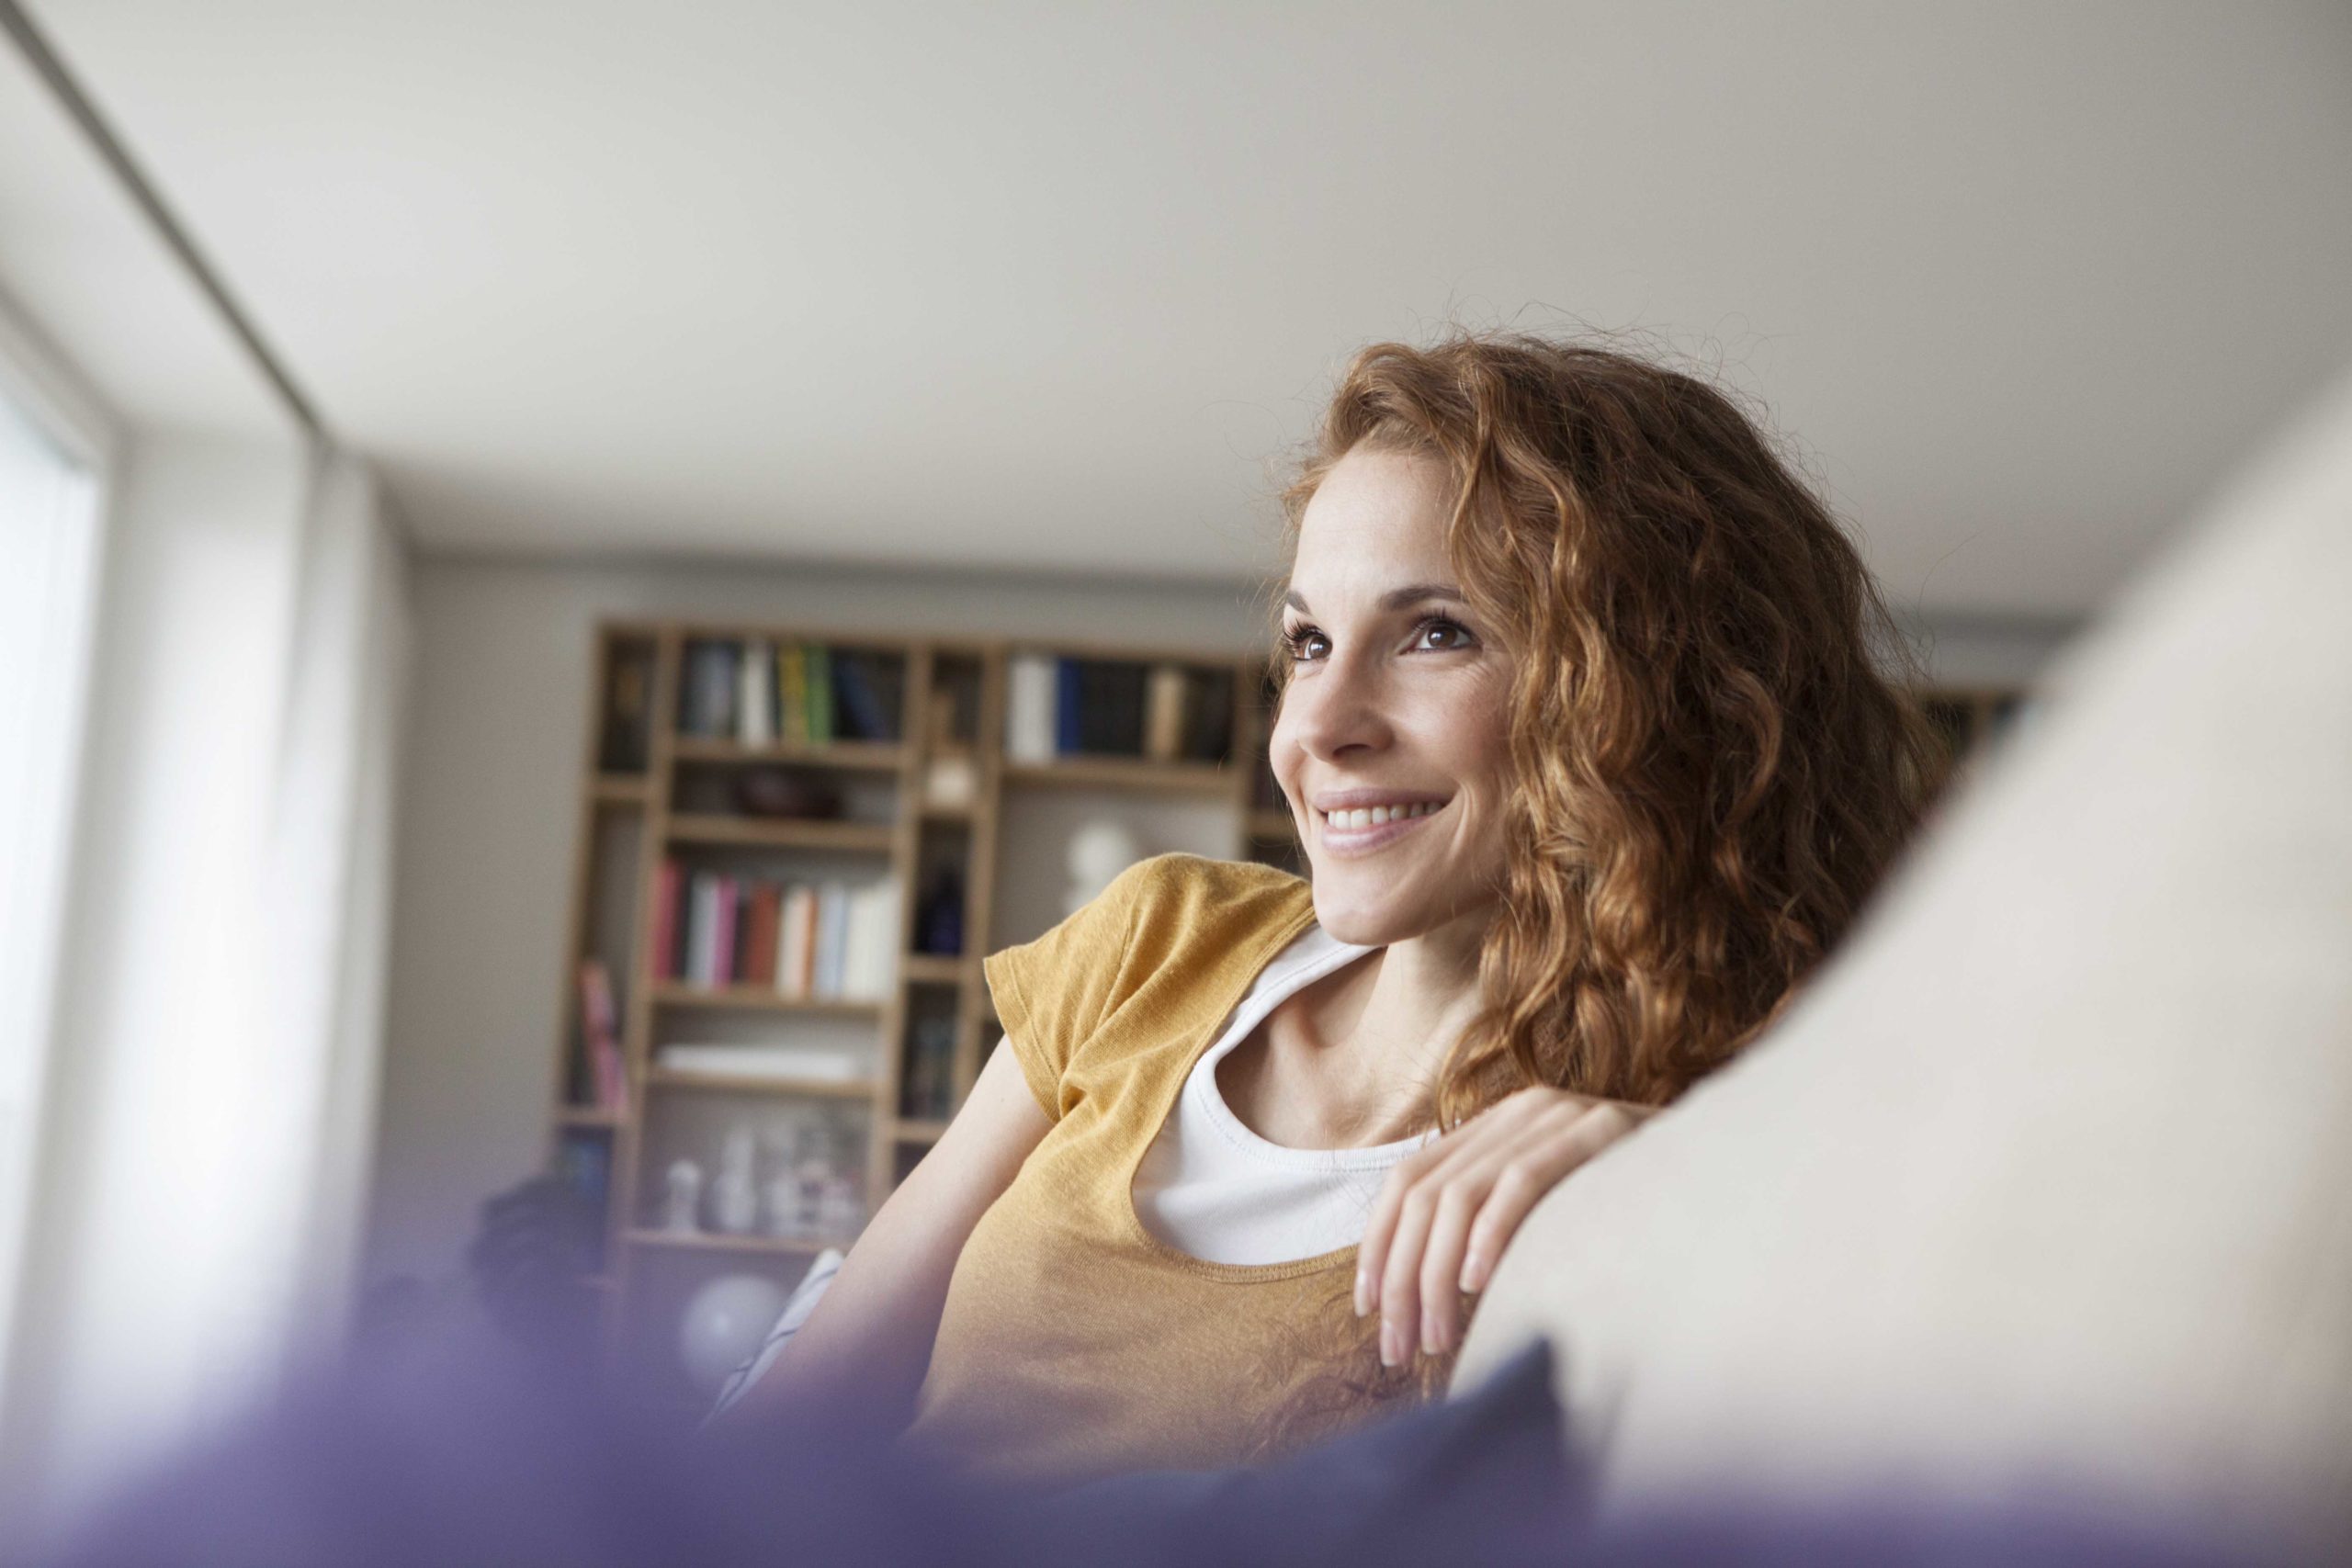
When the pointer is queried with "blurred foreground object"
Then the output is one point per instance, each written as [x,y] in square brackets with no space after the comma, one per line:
[478,1461]
[2046,1181]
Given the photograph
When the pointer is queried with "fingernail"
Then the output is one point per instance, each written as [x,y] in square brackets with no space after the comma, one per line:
[1388,1344]
[1364,1291]
[1473,1273]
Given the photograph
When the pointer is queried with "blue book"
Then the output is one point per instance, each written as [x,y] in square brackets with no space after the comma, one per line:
[1066,740]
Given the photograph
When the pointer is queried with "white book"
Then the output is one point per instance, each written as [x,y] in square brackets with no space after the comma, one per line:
[868,970]
[702,926]
[793,934]
[833,925]
[767,1061]
[1029,708]
[755,696]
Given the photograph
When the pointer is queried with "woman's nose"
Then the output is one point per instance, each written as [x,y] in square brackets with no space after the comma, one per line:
[1340,707]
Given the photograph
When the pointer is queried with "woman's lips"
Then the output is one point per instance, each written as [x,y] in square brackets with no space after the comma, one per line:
[1370,838]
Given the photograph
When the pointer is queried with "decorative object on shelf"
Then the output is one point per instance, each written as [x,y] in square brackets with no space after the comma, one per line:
[787,792]
[951,781]
[1098,852]
[939,919]
[724,1322]
[735,1195]
[780,1210]
[682,1214]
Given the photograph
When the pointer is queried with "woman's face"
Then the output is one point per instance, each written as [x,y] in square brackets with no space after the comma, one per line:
[1397,708]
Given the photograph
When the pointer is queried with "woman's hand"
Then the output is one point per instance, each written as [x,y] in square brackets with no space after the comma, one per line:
[1450,1206]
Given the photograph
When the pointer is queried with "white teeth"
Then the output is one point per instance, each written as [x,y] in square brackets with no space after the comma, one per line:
[1374,816]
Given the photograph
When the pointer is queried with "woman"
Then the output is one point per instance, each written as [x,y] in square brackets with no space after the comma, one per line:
[1584,725]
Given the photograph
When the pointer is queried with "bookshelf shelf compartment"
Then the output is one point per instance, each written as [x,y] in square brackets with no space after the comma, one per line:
[757,998]
[624,789]
[746,1083]
[779,833]
[882,756]
[1124,773]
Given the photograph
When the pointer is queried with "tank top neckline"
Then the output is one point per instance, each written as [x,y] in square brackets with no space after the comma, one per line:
[1164,1105]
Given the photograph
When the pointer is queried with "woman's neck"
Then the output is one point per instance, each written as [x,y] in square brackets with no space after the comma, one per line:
[1368,1040]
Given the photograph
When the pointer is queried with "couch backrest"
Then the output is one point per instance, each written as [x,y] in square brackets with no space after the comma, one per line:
[2048,1183]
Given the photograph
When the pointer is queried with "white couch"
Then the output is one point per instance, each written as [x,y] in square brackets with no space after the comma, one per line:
[2048,1183]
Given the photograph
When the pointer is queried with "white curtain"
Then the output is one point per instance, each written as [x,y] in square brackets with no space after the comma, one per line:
[197,1185]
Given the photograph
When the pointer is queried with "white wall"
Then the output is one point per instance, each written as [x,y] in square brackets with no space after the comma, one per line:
[489,809]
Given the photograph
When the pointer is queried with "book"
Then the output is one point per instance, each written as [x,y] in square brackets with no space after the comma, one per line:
[669,886]
[722,936]
[1110,706]
[1029,720]
[833,909]
[600,1037]
[1208,731]
[701,921]
[755,694]
[792,692]
[856,699]
[870,968]
[795,945]
[1163,723]
[1069,703]
[820,687]
[760,935]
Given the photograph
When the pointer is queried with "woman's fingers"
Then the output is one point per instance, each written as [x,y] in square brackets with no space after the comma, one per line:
[1448,1210]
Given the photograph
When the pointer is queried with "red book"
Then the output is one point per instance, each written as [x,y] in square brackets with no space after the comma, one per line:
[759,939]
[665,921]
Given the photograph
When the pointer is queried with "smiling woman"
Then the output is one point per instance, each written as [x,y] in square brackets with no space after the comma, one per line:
[1592,760]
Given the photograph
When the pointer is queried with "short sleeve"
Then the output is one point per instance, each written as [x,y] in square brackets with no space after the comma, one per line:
[1052,994]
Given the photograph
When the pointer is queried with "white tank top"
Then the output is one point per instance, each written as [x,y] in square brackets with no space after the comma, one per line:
[1210,1187]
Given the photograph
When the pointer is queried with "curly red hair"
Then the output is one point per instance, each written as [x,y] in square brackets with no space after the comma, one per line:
[1715,756]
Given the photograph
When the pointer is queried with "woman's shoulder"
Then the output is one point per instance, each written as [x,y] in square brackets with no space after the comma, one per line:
[1180,884]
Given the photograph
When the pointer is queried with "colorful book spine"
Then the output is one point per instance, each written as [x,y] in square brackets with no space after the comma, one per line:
[755,694]
[1067,738]
[722,938]
[665,919]
[792,692]
[820,692]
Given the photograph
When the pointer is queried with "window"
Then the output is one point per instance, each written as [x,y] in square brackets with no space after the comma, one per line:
[48,541]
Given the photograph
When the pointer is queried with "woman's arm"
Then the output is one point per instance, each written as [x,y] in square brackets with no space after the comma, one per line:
[870,1338]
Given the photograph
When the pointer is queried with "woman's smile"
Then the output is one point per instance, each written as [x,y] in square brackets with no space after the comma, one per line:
[1366,830]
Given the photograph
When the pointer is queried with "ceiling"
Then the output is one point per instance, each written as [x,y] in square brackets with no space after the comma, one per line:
[1057,286]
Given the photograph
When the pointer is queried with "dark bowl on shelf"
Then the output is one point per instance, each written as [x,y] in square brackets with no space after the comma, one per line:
[780,792]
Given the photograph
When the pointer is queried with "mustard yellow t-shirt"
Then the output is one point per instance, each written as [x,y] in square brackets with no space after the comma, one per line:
[1074,1343]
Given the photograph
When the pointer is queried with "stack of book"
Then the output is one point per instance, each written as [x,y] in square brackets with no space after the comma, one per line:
[736,1059]
[757,693]
[823,939]
[1116,707]
[600,1041]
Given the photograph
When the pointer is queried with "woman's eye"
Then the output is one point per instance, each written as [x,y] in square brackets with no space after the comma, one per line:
[1460,632]
[1297,641]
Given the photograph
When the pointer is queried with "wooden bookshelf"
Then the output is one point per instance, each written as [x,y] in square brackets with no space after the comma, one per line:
[646,793]
[649,795]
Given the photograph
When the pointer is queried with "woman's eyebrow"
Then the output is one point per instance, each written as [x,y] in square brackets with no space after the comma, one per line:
[1395,598]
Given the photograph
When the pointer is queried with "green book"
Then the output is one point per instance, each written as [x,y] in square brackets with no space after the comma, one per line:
[820,693]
